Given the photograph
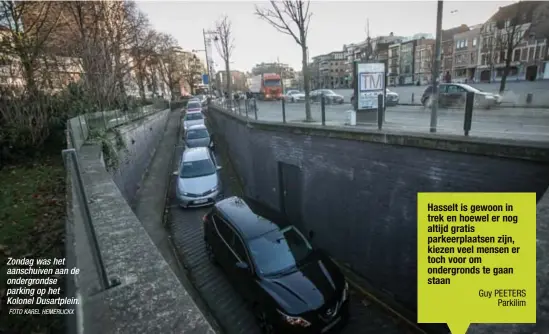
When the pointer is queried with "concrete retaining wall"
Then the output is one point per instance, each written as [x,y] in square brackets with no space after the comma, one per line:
[141,139]
[357,190]
[147,296]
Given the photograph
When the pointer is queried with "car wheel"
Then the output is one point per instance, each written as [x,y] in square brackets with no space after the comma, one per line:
[209,252]
[265,325]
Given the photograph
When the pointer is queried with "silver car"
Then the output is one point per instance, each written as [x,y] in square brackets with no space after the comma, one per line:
[198,136]
[198,182]
[192,118]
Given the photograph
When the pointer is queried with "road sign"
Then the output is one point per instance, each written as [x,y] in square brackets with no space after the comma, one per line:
[205,79]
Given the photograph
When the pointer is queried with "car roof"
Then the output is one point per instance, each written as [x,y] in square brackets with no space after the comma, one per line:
[193,112]
[249,218]
[197,127]
[195,154]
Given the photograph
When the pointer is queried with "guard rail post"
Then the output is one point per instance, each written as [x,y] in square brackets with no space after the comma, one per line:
[323,109]
[380,111]
[283,110]
[255,109]
[469,102]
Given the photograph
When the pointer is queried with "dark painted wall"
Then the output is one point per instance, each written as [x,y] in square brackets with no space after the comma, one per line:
[360,197]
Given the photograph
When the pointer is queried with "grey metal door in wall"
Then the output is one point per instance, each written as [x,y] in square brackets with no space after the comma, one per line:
[290,185]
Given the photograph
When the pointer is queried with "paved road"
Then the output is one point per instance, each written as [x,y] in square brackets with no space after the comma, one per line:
[225,304]
[515,92]
[508,123]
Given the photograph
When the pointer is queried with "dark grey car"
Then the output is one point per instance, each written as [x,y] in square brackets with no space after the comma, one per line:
[198,136]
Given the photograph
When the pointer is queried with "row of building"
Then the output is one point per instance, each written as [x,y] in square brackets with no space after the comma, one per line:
[468,53]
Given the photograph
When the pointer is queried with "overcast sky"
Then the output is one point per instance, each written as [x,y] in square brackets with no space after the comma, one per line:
[333,24]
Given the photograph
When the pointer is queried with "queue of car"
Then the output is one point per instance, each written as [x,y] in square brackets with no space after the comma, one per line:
[291,286]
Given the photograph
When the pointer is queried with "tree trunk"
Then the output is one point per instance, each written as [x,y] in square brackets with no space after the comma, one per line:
[306,82]
[228,77]
[506,71]
[141,83]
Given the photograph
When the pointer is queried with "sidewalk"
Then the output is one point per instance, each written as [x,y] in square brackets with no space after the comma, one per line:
[150,199]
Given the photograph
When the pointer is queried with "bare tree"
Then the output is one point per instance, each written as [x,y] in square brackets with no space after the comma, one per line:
[170,62]
[192,70]
[141,47]
[225,47]
[30,25]
[510,34]
[292,18]
[87,41]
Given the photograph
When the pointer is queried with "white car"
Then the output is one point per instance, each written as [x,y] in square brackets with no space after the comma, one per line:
[193,118]
[294,96]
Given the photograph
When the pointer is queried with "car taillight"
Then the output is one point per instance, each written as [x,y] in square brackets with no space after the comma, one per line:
[205,218]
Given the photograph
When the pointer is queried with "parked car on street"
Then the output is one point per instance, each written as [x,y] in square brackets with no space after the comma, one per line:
[198,182]
[294,96]
[392,98]
[454,95]
[329,96]
[290,286]
[194,105]
[192,118]
[198,136]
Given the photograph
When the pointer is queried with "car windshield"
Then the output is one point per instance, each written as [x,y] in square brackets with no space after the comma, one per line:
[328,92]
[271,83]
[198,168]
[194,105]
[194,116]
[278,251]
[197,134]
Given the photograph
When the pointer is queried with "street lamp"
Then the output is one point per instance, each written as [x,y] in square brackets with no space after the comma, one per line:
[434,78]
[208,65]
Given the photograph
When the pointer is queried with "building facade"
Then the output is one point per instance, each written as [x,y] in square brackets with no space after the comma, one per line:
[330,71]
[394,64]
[407,63]
[424,60]
[529,53]
[447,47]
[466,54]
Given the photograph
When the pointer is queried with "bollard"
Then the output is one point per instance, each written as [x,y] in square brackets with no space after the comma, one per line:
[380,111]
[246,105]
[412,98]
[529,98]
[323,109]
[255,109]
[283,110]
[469,103]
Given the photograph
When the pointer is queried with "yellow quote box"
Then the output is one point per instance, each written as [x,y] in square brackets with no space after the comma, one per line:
[476,256]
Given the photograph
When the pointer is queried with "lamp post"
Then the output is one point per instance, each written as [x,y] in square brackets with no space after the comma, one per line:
[434,104]
[206,35]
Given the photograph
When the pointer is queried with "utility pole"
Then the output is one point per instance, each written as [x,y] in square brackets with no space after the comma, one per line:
[208,65]
[435,74]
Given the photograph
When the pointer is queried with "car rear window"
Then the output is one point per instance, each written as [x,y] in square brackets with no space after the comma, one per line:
[194,105]
[193,116]
[197,134]
[428,90]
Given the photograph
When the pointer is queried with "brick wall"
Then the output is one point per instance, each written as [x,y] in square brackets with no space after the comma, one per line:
[360,197]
